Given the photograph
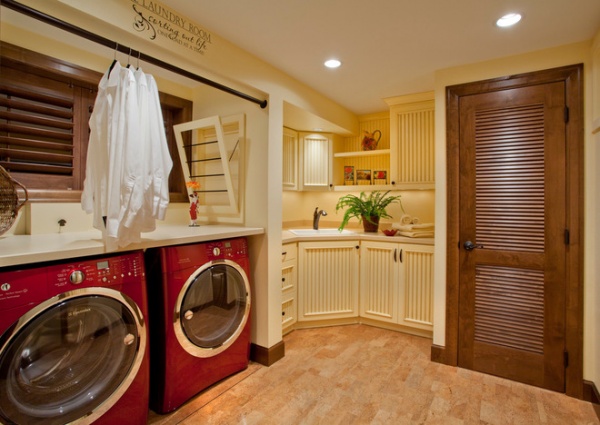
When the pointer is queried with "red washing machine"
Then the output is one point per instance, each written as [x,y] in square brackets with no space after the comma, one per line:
[74,342]
[199,296]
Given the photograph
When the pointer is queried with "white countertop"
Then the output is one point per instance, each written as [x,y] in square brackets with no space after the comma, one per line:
[288,237]
[24,249]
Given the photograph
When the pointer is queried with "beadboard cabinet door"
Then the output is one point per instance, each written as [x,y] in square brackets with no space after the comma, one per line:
[290,159]
[316,161]
[415,307]
[379,281]
[328,280]
[396,283]
[412,141]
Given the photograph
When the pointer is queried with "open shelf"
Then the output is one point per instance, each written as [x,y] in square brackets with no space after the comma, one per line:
[361,153]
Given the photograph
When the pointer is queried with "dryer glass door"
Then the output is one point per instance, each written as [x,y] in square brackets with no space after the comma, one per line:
[214,307]
[67,360]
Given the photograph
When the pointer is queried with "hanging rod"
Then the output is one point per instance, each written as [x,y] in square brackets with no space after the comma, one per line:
[36,14]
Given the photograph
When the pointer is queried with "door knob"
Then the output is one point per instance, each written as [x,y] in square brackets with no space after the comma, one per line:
[470,246]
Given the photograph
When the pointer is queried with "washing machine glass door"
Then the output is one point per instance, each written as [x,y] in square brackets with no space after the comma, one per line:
[71,358]
[212,308]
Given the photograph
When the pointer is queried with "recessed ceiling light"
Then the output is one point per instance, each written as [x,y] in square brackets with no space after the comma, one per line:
[508,20]
[332,63]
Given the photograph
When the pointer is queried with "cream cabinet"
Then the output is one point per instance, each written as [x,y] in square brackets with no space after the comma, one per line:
[290,159]
[316,161]
[328,280]
[307,160]
[396,284]
[379,281]
[412,141]
[289,287]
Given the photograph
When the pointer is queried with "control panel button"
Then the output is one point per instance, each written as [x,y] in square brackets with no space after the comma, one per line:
[216,250]
[76,277]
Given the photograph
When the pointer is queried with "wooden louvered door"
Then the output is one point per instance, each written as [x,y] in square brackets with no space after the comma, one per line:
[513,215]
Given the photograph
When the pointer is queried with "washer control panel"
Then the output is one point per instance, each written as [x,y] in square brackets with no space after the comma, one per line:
[20,287]
[231,249]
[99,272]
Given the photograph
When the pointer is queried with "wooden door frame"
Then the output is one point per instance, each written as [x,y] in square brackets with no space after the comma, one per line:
[572,76]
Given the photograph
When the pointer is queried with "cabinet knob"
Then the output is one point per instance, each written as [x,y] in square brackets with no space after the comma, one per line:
[283,313]
[393,183]
[283,279]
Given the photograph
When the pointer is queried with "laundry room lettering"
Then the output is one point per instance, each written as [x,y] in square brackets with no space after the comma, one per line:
[157,20]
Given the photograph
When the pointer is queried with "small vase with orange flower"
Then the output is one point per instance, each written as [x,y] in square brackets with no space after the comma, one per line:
[194,186]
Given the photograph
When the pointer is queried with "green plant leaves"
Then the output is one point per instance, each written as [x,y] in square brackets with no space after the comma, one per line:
[373,204]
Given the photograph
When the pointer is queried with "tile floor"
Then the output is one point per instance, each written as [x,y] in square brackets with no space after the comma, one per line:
[359,374]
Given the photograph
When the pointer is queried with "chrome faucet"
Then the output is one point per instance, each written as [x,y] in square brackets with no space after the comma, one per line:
[316,216]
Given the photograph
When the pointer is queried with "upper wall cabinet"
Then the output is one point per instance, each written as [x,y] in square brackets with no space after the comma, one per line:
[412,140]
[307,160]
[290,159]
[402,159]
[315,159]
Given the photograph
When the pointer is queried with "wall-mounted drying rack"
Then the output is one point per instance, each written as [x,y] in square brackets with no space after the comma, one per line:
[36,14]
[213,161]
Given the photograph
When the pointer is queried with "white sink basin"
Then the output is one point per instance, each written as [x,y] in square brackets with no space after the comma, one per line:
[321,232]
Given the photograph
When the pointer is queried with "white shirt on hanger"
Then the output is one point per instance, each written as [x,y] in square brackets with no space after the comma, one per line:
[114,163]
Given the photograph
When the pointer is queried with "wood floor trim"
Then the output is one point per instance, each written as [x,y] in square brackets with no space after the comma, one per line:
[438,354]
[591,394]
[267,356]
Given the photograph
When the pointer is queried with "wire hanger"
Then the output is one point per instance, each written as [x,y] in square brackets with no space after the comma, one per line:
[112,65]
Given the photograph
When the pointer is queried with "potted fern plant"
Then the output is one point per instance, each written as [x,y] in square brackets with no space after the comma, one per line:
[369,209]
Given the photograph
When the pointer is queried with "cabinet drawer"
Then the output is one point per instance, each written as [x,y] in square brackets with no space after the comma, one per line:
[289,252]
[288,277]
[288,313]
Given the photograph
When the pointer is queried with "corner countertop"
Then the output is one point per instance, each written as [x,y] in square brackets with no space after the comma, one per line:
[24,249]
[288,237]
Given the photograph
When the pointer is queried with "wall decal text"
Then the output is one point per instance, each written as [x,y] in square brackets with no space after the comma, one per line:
[158,21]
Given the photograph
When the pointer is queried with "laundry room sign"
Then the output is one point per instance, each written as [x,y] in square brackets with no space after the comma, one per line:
[157,20]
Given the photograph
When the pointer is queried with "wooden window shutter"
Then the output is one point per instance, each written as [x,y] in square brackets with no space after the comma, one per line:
[45,107]
[43,127]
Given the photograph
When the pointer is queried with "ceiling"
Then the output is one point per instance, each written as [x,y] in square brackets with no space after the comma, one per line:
[387,47]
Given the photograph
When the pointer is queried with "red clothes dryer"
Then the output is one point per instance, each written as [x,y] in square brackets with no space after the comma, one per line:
[199,297]
[74,342]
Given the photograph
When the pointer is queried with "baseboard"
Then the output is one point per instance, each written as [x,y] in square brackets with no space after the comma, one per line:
[425,333]
[438,354]
[267,356]
[591,394]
